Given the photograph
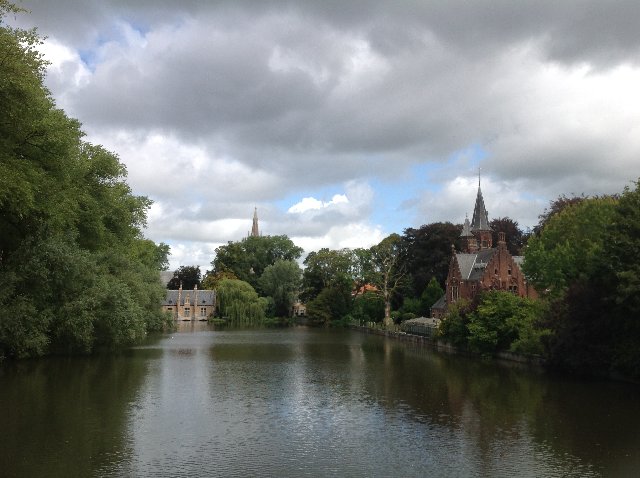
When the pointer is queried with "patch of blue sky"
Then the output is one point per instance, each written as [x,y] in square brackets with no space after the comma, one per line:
[395,200]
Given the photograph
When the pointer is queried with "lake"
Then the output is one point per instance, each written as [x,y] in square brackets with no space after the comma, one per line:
[307,402]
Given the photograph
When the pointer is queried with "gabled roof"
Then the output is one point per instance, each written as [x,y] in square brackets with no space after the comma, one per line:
[205,297]
[472,266]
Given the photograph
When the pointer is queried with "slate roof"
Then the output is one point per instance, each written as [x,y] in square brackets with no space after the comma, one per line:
[165,277]
[205,297]
[472,266]
[480,220]
[441,303]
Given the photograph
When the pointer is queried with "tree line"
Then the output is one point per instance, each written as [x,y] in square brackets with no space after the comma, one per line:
[399,278]
[76,272]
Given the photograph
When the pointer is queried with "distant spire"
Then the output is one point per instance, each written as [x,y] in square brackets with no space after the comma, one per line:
[254,228]
[466,228]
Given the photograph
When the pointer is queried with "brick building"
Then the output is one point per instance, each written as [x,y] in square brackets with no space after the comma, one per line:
[480,266]
[190,304]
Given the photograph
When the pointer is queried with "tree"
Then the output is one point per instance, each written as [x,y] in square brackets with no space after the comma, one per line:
[516,239]
[556,206]
[239,303]
[281,282]
[332,303]
[620,255]
[368,307]
[326,268]
[428,253]
[569,246]
[211,279]
[75,270]
[388,270]
[186,276]
[248,258]
[504,321]
[431,294]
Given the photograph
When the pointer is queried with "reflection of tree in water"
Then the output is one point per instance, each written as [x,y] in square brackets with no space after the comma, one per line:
[67,410]
[499,405]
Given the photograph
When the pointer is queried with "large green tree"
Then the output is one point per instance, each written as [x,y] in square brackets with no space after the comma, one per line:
[281,282]
[248,258]
[186,276]
[569,246]
[428,252]
[239,303]
[75,270]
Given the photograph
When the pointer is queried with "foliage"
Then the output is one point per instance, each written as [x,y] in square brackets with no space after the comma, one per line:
[239,303]
[368,307]
[504,321]
[427,253]
[328,268]
[75,271]
[186,276]
[211,279]
[281,282]
[515,237]
[332,303]
[453,326]
[556,206]
[388,270]
[248,258]
[595,323]
[431,294]
[569,246]
[499,321]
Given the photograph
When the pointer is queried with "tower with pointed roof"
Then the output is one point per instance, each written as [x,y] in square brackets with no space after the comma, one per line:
[480,266]
[479,228]
[254,227]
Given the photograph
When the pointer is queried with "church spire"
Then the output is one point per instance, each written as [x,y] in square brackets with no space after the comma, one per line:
[254,227]
[480,221]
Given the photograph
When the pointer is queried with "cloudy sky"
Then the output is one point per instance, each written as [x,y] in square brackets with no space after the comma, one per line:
[345,121]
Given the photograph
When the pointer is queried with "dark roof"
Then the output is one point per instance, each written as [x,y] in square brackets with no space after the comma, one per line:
[205,297]
[472,266]
[441,303]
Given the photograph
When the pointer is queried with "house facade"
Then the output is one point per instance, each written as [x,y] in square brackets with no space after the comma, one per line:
[190,304]
[480,266]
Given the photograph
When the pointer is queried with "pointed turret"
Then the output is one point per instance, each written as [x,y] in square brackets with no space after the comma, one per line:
[480,221]
[254,228]
[466,228]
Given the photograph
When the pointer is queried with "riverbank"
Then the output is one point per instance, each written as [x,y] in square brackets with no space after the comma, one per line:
[535,361]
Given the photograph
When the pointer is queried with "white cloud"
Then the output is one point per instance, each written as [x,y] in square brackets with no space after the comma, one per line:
[311,203]
[217,107]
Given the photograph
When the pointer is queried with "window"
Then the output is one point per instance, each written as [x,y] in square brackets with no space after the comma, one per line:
[187,312]
[509,271]
[203,311]
[169,308]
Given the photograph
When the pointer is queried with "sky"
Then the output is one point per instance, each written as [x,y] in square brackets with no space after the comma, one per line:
[343,122]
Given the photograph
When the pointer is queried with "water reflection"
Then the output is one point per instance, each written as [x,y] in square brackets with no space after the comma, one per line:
[307,402]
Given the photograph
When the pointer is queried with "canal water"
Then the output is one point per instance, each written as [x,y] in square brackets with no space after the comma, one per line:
[307,402]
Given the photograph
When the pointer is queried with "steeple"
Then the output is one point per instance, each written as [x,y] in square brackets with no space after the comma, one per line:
[480,221]
[254,227]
